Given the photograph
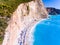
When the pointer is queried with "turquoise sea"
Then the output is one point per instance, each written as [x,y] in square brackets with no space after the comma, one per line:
[47,32]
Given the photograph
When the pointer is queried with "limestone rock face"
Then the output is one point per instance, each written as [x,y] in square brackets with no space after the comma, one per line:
[19,30]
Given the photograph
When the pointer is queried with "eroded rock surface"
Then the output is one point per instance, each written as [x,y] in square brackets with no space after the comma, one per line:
[19,30]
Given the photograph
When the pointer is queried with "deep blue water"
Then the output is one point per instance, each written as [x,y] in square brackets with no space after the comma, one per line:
[47,32]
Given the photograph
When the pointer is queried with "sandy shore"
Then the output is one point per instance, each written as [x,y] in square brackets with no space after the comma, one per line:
[32,30]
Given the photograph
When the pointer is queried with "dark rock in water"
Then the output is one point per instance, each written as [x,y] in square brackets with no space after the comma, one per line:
[53,11]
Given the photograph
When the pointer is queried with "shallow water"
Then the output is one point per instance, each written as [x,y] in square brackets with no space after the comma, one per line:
[47,32]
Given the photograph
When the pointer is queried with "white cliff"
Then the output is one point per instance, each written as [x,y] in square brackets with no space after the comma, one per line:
[19,30]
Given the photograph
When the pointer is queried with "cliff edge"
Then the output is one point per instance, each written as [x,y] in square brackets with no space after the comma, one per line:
[19,30]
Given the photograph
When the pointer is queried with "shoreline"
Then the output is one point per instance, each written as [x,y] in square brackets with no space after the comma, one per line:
[32,31]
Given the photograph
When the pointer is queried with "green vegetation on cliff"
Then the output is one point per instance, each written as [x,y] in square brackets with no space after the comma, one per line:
[7,7]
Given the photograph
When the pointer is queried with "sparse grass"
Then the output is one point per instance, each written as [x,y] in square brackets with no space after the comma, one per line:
[1,39]
[8,6]
[3,25]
